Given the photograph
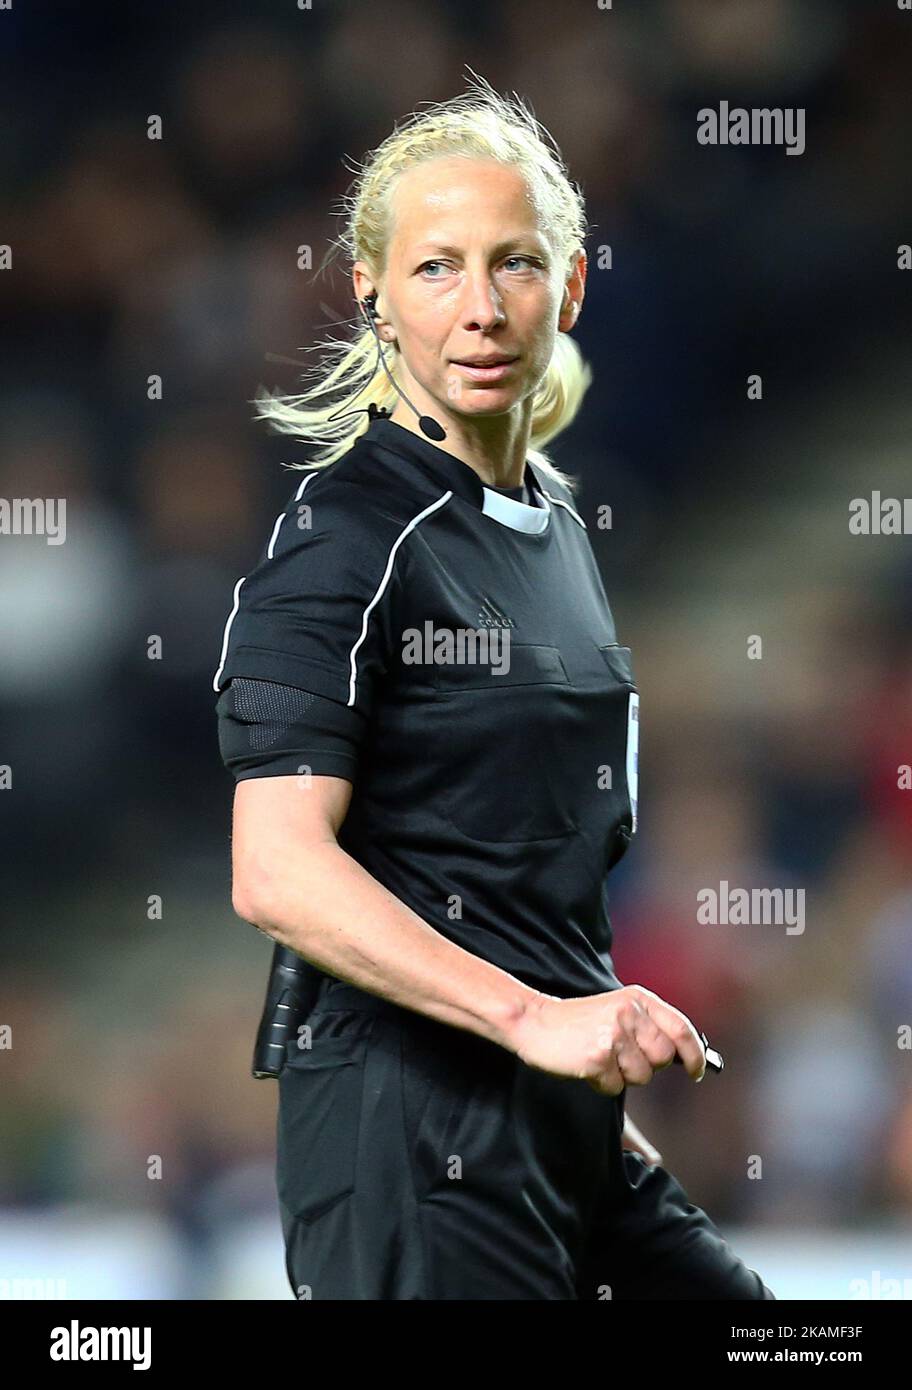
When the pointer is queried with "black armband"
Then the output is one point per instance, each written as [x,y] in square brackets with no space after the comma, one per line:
[271,730]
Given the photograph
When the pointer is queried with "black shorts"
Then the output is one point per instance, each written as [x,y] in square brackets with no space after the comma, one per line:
[416,1160]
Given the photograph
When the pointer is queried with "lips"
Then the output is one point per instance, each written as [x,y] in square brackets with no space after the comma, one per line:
[500,360]
[487,371]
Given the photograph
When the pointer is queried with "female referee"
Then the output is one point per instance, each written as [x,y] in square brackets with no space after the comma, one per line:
[433,730]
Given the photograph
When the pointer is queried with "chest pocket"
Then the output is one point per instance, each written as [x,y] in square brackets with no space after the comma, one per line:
[509,740]
[623,751]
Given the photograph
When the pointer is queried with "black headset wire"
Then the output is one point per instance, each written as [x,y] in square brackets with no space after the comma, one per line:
[429,427]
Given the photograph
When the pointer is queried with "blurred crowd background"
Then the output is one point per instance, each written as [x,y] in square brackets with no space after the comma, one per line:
[132,1030]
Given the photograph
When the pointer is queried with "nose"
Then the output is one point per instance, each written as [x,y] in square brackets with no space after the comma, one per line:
[482,306]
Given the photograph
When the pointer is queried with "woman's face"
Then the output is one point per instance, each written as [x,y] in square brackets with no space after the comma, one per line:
[471,274]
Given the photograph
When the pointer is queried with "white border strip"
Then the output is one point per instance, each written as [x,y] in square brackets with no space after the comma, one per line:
[231,618]
[270,551]
[557,501]
[385,580]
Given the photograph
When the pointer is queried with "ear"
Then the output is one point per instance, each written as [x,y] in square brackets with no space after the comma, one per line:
[362,280]
[574,293]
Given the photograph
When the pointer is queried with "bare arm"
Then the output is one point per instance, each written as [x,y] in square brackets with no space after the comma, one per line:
[295,882]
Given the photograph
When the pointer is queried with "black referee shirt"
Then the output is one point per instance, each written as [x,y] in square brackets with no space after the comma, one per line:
[450,650]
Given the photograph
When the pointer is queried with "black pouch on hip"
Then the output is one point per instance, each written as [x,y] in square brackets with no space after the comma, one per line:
[290,996]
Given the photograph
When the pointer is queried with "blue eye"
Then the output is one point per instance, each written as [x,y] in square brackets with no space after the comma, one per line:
[527,262]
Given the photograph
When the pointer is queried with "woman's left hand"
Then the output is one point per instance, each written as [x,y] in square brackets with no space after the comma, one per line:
[633,1138]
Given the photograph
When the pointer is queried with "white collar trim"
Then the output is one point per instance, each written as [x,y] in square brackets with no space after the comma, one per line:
[519,516]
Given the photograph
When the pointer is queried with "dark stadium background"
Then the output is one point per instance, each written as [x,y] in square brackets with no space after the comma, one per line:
[132,1032]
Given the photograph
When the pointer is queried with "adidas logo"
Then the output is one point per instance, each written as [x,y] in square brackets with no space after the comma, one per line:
[489,615]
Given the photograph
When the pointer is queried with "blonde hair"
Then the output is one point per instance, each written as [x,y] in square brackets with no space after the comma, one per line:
[478,124]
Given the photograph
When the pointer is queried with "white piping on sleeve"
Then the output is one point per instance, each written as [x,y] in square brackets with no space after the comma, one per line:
[385,580]
[441,501]
[270,551]
[557,501]
[231,617]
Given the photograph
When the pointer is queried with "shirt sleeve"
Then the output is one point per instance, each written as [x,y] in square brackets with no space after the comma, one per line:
[310,639]
[271,730]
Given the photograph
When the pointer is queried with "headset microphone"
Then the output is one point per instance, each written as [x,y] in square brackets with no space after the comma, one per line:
[429,427]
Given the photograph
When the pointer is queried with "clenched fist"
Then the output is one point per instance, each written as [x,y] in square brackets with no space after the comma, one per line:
[612,1040]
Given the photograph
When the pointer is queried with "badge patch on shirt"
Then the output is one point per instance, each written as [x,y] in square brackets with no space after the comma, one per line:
[633,749]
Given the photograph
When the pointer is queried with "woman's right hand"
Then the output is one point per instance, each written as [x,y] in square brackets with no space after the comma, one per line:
[612,1040]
